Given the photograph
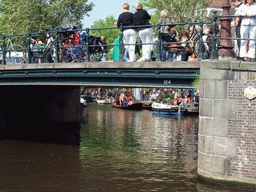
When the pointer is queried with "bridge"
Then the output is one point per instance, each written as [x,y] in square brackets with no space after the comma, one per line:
[49,93]
[227,128]
[109,74]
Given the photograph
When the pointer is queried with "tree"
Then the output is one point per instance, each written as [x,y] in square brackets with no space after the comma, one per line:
[110,34]
[22,16]
[179,11]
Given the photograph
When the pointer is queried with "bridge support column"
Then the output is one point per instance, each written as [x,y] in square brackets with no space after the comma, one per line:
[227,126]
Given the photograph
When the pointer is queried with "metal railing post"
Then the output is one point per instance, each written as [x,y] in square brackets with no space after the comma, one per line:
[56,59]
[87,45]
[28,48]
[121,54]
[200,54]
[158,48]
[3,51]
[214,51]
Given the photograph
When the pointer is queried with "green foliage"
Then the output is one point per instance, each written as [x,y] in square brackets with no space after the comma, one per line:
[179,11]
[22,16]
[110,34]
[196,82]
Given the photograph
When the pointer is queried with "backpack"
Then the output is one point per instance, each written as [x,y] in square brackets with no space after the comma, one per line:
[35,47]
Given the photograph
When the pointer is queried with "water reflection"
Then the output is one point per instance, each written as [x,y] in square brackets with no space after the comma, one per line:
[120,150]
[139,151]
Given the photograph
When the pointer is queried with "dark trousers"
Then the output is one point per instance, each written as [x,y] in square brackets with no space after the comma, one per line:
[48,57]
[238,35]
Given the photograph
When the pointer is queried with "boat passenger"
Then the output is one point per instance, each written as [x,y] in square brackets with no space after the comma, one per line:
[124,102]
[130,101]
[186,99]
[121,97]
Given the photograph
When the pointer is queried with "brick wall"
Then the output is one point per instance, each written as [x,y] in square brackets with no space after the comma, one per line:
[243,129]
[227,122]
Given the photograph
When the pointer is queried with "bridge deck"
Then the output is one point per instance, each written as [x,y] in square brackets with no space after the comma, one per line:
[119,74]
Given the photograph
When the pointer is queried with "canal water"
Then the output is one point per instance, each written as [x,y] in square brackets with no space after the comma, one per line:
[118,150]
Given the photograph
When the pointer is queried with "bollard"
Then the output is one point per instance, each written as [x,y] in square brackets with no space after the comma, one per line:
[226,46]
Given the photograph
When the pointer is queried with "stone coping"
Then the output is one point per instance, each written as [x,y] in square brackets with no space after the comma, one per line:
[119,65]
[229,65]
[214,64]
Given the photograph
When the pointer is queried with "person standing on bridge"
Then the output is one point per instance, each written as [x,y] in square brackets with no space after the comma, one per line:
[130,36]
[141,17]
[49,48]
[248,29]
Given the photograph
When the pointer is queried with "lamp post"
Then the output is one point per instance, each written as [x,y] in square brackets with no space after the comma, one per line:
[73,21]
[225,45]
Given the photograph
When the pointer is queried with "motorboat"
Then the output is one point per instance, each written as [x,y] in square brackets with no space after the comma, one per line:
[147,106]
[167,109]
[82,101]
[88,98]
[104,101]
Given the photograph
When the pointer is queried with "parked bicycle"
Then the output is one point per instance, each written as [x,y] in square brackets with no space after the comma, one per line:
[16,54]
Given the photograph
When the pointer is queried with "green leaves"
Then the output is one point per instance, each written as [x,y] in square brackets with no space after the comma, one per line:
[110,34]
[179,11]
[22,16]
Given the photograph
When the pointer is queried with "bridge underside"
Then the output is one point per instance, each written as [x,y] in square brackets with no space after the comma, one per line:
[40,113]
[102,74]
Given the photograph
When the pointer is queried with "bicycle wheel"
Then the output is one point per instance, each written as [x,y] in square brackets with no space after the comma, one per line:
[53,54]
[194,39]
[96,56]
[16,55]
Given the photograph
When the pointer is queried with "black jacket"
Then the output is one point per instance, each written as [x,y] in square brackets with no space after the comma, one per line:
[141,17]
[126,19]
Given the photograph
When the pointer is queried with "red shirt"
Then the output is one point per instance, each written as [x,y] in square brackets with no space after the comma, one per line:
[77,39]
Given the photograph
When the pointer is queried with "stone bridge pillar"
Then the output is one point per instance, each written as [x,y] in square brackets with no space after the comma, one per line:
[227,123]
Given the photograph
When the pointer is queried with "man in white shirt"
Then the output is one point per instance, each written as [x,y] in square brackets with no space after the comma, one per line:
[248,29]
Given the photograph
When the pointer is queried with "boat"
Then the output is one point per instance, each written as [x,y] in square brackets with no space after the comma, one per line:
[82,101]
[147,106]
[88,98]
[104,101]
[167,109]
[133,106]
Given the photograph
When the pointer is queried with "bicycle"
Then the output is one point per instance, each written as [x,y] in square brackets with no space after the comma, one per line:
[16,54]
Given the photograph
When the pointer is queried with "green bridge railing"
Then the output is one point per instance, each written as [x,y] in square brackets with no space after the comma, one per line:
[27,50]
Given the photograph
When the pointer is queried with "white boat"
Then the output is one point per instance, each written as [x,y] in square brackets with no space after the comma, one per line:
[82,101]
[104,101]
[167,109]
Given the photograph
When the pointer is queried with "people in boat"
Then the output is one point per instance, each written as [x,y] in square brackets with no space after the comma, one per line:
[129,100]
[124,102]
[185,99]
[116,101]
[121,97]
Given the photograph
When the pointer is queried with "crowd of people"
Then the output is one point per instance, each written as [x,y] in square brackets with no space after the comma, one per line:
[173,47]
[127,96]
[72,45]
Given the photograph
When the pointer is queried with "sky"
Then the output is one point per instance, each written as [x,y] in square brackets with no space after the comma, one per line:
[104,8]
